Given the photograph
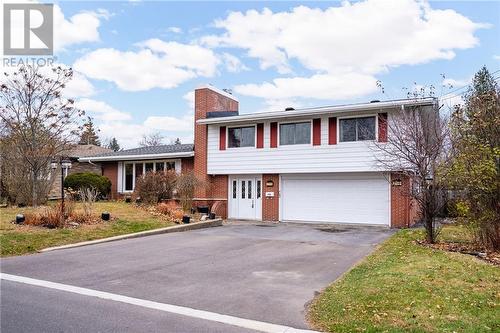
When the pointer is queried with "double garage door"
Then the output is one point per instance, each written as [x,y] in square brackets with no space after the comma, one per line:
[361,198]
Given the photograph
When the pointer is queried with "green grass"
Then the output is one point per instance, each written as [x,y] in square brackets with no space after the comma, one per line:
[19,239]
[405,287]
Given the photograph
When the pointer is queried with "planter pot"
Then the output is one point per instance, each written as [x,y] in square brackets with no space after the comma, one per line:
[20,219]
[186,219]
[105,216]
[211,216]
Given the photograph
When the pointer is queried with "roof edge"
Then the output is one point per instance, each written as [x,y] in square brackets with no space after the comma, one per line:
[135,157]
[320,110]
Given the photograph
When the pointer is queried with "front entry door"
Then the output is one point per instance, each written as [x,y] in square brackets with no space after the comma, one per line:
[245,198]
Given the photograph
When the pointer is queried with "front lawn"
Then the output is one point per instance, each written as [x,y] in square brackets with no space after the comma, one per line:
[22,239]
[405,287]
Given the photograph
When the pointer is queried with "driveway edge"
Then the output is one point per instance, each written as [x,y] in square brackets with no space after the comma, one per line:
[166,230]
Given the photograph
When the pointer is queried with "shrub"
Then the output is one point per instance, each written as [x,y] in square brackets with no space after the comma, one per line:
[88,196]
[82,180]
[177,215]
[186,184]
[155,186]
[49,217]
[168,208]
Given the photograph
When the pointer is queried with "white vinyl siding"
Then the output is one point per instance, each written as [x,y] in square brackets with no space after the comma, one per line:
[342,157]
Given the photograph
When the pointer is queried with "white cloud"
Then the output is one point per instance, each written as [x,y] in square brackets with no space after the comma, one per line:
[78,86]
[157,64]
[115,123]
[101,110]
[175,30]
[496,57]
[369,36]
[172,124]
[79,28]
[344,47]
[233,64]
[320,86]
[189,98]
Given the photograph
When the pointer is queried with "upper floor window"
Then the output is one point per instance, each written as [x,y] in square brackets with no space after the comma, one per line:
[295,133]
[357,129]
[241,137]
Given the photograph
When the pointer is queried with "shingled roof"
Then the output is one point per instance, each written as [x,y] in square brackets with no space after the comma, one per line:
[143,152]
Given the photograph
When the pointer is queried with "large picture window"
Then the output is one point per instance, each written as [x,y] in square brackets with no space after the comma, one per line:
[241,137]
[357,129]
[295,133]
[129,177]
[134,170]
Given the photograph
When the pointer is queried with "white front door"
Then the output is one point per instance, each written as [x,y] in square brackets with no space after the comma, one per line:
[245,197]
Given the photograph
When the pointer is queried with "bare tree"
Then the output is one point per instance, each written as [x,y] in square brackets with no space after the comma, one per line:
[153,139]
[416,146]
[37,124]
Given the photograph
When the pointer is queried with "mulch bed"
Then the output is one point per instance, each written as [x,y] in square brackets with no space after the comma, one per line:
[466,248]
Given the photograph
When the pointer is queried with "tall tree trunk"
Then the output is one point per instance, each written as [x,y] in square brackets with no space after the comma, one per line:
[34,196]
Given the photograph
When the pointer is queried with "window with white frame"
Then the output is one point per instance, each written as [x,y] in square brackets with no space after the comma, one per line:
[241,137]
[133,170]
[357,129]
[295,133]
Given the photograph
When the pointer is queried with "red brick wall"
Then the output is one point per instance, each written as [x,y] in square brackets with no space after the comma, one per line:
[404,210]
[187,164]
[208,100]
[110,170]
[270,205]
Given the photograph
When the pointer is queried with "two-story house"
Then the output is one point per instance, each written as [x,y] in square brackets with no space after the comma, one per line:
[304,165]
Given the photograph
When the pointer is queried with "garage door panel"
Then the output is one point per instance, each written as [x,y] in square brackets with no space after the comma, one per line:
[362,198]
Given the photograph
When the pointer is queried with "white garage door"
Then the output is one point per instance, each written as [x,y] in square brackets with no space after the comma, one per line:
[336,198]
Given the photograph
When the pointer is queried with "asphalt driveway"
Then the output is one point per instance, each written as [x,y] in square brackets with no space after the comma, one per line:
[267,273]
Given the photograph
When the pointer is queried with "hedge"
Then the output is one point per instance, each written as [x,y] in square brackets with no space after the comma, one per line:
[80,180]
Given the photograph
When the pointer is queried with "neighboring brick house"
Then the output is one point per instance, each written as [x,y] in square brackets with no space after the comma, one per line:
[74,153]
[308,165]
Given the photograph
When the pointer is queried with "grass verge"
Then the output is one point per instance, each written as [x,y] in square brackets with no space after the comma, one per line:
[19,239]
[406,287]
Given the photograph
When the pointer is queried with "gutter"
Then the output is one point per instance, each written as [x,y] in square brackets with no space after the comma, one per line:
[322,110]
[91,159]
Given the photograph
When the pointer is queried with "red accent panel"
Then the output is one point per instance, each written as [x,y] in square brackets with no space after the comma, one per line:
[316,132]
[382,127]
[274,135]
[332,131]
[260,135]
[222,138]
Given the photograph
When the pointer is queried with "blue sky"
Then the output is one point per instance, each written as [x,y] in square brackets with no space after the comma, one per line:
[137,62]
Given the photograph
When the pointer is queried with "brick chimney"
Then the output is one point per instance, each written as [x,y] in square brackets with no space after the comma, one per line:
[209,99]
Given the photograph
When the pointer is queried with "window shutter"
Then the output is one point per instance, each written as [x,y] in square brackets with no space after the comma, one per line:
[317,132]
[260,135]
[222,138]
[332,131]
[274,135]
[382,127]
